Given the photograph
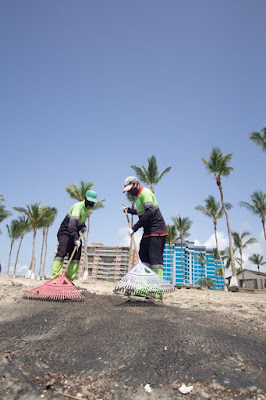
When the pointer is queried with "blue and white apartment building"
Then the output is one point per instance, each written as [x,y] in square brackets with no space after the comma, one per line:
[193,267]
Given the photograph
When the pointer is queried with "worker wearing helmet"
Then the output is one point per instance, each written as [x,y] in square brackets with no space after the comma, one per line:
[69,233]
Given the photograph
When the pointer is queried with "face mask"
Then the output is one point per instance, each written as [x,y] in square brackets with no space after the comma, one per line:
[89,204]
[134,191]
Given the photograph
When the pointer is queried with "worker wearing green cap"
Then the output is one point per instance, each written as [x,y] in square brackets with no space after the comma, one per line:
[69,233]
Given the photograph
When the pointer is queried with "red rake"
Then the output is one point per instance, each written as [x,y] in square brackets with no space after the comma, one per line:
[57,289]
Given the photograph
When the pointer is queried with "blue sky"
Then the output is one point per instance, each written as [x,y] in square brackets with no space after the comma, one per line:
[90,88]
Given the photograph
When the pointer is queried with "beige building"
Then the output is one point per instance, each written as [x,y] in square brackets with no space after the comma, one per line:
[107,262]
[251,279]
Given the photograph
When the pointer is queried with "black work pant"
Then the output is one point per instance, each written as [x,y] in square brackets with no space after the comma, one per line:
[66,246]
[151,250]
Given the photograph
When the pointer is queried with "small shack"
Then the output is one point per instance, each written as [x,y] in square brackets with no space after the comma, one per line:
[251,279]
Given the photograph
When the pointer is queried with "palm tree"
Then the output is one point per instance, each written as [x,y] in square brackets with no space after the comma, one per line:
[206,282]
[13,234]
[150,175]
[78,193]
[23,228]
[201,258]
[214,210]
[219,271]
[226,256]
[48,217]
[171,238]
[257,207]
[182,226]
[34,213]
[257,259]
[3,212]
[218,166]
[240,245]
[259,138]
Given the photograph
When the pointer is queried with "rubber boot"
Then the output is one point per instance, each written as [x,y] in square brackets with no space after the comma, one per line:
[159,291]
[72,271]
[159,272]
[56,269]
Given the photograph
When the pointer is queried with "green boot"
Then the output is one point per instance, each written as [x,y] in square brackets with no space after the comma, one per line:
[159,292]
[56,269]
[159,272]
[72,271]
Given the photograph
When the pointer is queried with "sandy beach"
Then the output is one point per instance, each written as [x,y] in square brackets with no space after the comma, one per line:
[110,348]
[248,305]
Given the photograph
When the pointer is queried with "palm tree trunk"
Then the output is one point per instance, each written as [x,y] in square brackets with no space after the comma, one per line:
[33,257]
[241,265]
[216,275]
[233,280]
[41,257]
[15,266]
[45,254]
[263,225]
[221,261]
[182,264]
[28,273]
[9,257]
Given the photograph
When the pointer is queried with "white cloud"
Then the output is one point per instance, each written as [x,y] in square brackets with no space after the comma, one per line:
[256,248]
[22,269]
[197,242]
[222,241]
[124,238]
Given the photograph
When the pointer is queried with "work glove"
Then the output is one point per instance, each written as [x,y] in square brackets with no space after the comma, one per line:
[124,208]
[77,243]
[130,232]
[83,230]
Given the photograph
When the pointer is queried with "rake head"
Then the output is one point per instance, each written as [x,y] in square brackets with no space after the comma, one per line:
[143,279]
[57,289]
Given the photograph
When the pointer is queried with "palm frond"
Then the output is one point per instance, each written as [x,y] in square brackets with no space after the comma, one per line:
[259,138]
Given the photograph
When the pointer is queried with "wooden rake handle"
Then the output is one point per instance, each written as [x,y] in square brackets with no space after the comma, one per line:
[72,254]
[132,237]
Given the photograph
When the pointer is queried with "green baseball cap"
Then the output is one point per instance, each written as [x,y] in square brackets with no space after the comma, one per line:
[91,195]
